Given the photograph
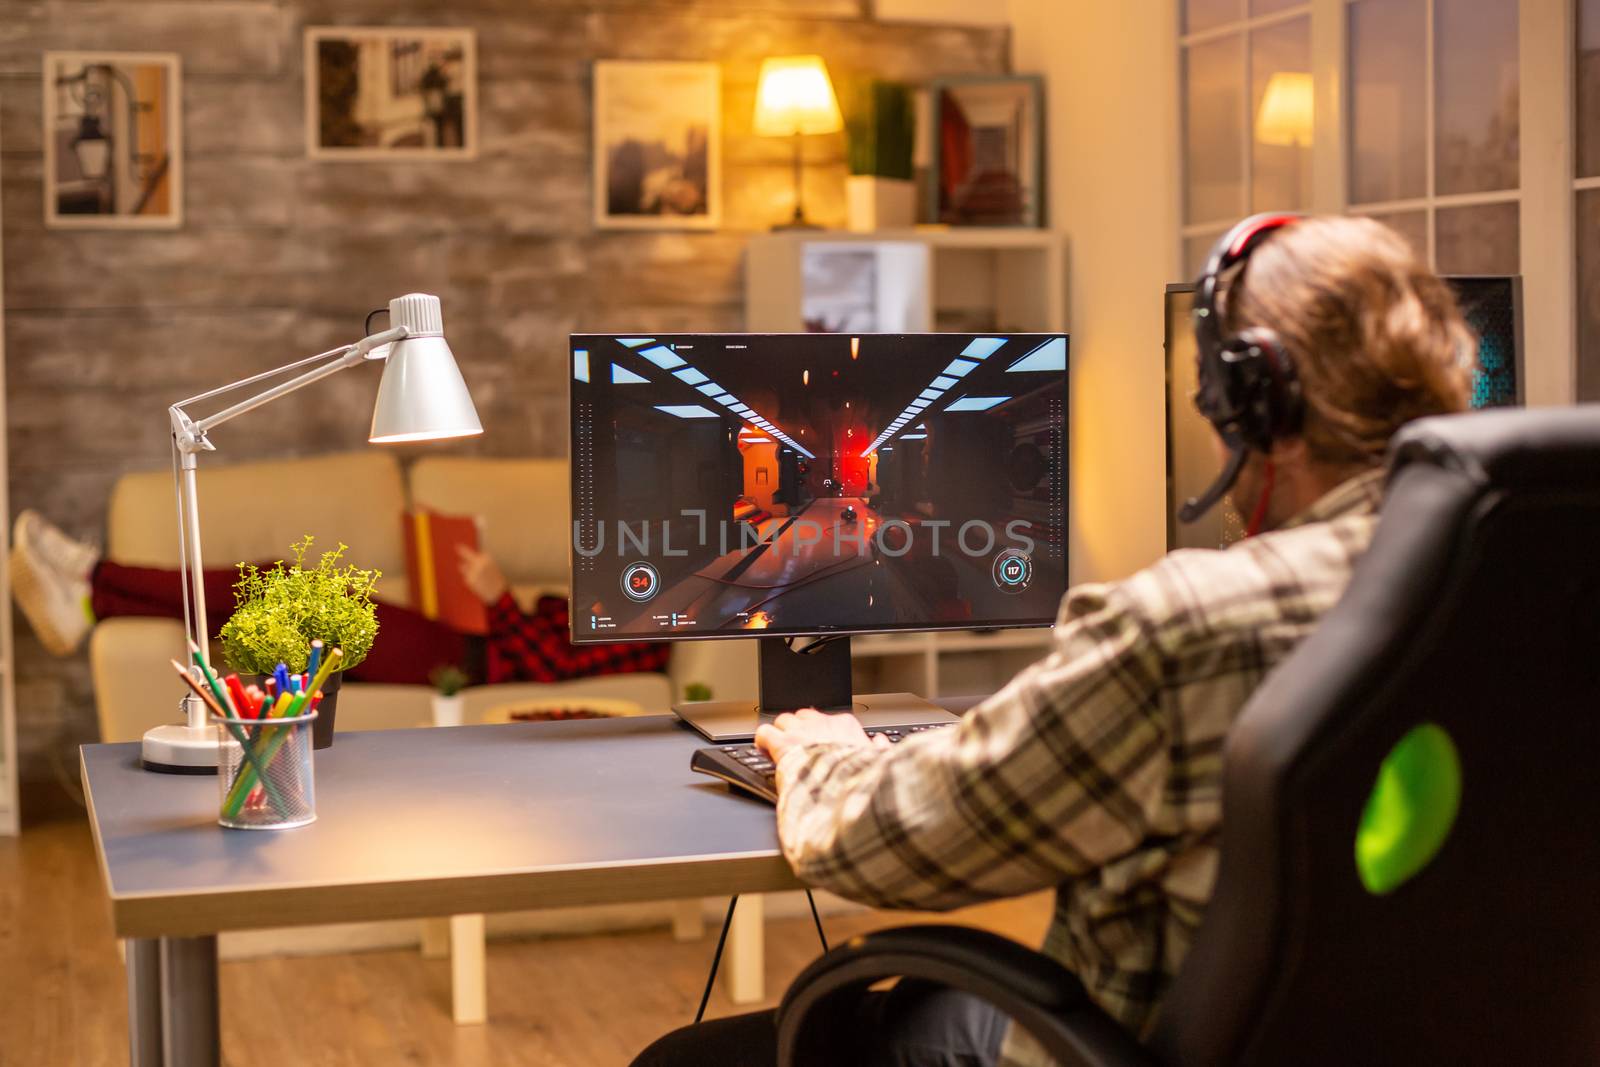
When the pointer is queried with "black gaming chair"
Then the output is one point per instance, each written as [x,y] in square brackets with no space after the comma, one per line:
[1477,609]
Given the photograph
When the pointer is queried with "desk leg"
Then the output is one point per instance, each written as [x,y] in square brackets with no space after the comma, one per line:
[744,965]
[143,957]
[468,981]
[688,921]
[190,1025]
[435,938]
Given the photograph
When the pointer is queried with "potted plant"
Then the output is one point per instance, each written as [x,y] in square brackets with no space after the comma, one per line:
[881,128]
[281,609]
[448,707]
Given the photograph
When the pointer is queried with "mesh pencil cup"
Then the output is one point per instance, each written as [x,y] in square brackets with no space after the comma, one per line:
[264,772]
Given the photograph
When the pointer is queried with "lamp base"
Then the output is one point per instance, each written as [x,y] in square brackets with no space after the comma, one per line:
[794,224]
[180,749]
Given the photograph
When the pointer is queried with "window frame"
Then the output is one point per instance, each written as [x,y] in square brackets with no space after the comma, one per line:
[1241,28]
[1548,185]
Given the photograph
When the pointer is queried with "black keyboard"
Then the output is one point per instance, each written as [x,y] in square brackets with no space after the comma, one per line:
[746,767]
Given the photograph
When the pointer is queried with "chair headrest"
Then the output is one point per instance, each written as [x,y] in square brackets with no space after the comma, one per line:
[1507,447]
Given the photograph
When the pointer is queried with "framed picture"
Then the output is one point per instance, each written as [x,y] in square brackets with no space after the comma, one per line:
[391,93]
[988,151]
[113,140]
[657,145]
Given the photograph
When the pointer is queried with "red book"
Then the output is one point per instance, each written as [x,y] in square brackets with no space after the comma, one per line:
[437,588]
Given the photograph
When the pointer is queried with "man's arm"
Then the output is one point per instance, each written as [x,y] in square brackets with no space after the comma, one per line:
[1056,774]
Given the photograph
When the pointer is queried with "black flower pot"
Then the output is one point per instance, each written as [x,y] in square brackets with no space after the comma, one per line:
[322,727]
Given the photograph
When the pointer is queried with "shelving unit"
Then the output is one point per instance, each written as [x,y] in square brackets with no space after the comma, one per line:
[944,664]
[921,280]
[10,815]
[959,280]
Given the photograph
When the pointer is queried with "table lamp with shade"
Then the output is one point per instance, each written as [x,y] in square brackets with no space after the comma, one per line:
[794,98]
[421,397]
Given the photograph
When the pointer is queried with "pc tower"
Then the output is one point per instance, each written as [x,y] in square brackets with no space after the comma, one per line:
[801,488]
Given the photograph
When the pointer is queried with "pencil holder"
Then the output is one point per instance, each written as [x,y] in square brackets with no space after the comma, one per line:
[264,772]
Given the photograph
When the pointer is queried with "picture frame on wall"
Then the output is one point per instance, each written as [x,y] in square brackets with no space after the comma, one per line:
[391,93]
[987,151]
[113,140]
[657,145]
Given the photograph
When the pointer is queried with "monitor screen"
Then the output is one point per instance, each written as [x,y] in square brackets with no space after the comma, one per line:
[802,484]
[1492,307]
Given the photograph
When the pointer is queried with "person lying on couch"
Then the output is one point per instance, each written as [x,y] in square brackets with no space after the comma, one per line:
[1097,772]
[63,587]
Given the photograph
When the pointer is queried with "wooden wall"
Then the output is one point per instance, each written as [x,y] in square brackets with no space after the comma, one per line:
[281,257]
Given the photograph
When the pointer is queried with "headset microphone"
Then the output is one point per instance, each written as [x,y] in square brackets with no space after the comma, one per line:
[1197,506]
[1249,389]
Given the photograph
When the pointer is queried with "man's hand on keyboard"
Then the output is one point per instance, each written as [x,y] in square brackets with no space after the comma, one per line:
[810,726]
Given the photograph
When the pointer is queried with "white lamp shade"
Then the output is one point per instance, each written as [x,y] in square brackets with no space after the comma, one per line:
[422,396]
[794,96]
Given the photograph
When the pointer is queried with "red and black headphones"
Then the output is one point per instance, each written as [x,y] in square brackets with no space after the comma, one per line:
[1249,389]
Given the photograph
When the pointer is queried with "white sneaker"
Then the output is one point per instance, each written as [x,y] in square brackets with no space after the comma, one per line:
[55,604]
[43,538]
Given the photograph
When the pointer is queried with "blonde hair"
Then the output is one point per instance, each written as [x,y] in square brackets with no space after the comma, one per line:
[1376,337]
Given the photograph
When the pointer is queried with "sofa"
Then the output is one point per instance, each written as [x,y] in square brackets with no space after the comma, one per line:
[357,498]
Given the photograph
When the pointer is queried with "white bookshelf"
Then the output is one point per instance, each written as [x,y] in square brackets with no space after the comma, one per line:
[927,280]
[961,280]
[10,814]
[944,664]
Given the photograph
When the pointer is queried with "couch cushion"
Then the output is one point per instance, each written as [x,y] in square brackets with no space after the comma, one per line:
[523,503]
[354,497]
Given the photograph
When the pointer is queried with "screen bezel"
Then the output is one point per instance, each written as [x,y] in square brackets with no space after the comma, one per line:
[575,340]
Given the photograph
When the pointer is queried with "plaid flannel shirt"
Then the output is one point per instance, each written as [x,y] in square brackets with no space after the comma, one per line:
[1097,771]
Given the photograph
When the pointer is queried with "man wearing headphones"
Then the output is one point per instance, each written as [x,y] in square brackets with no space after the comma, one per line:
[1098,771]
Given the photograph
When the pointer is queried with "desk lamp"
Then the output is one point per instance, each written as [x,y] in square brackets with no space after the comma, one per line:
[421,397]
[793,98]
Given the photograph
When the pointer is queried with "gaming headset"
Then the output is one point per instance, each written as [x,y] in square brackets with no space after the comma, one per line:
[1249,390]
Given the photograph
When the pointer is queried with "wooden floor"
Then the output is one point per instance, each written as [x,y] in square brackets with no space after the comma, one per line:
[555,1002]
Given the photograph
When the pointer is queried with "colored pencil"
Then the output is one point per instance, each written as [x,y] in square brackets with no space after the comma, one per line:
[238,734]
[241,702]
[211,680]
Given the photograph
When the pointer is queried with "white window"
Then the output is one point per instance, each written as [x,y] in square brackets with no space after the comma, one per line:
[1247,114]
[1470,126]
[1432,146]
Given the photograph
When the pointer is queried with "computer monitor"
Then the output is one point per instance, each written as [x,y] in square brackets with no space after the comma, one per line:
[1492,306]
[814,486]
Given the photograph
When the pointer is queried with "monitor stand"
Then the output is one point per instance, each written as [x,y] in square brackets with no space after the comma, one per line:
[790,680]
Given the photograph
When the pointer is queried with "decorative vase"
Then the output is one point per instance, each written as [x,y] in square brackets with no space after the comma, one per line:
[873,203]
[448,710]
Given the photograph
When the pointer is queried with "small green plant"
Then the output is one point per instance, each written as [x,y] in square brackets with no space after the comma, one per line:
[281,608]
[448,680]
[881,124]
[697,691]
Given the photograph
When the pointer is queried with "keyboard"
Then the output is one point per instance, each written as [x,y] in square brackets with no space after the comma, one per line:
[747,768]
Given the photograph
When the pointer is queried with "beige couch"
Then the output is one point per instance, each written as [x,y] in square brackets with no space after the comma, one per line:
[358,498]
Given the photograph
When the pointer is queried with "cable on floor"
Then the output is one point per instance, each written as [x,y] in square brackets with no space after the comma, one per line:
[818,920]
[722,939]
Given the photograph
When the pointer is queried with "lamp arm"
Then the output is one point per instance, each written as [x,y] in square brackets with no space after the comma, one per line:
[190,434]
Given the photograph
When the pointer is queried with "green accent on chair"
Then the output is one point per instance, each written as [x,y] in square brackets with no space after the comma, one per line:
[1410,810]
